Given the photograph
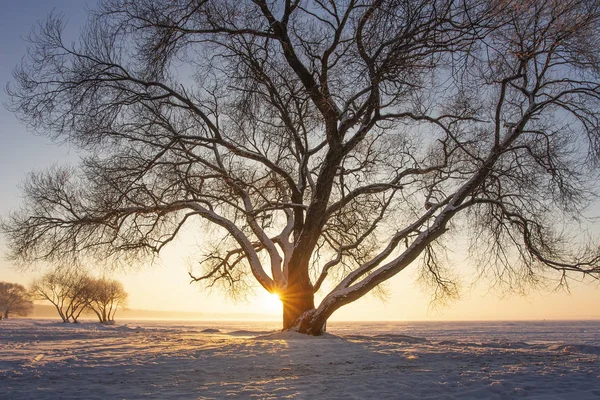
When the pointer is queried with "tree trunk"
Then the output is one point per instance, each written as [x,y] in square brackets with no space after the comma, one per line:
[296,303]
[298,297]
[5,314]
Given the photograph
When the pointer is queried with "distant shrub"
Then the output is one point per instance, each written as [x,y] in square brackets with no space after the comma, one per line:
[105,296]
[14,299]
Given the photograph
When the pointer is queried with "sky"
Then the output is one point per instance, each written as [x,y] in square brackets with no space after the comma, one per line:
[165,285]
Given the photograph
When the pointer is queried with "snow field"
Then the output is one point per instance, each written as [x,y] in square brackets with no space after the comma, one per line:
[42,359]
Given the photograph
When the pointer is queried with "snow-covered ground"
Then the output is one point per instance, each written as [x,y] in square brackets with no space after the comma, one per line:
[43,359]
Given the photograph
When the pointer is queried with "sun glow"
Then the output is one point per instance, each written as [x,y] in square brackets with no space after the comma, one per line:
[270,302]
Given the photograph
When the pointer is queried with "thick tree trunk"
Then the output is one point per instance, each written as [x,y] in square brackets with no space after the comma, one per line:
[298,297]
[295,304]
[299,312]
[5,314]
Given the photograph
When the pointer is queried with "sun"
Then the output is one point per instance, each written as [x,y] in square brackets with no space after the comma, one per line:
[270,302]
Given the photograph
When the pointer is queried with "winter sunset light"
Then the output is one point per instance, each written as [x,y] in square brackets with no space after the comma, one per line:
[307,199]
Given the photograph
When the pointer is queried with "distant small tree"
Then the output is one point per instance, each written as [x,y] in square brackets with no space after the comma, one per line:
[14,299]
[66,289]
[105,296]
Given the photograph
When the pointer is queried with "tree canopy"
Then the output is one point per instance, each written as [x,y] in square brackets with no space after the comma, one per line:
[327,144]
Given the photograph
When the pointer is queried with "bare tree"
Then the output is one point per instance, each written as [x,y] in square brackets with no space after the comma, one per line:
[14,299]
[329,144]
[66,289]
[105,296]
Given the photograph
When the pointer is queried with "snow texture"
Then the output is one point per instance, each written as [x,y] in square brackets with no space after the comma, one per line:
[43,359]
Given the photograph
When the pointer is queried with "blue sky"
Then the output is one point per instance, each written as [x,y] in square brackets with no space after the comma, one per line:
[21,151]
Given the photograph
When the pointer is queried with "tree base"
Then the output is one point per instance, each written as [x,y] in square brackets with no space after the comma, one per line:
[308,323]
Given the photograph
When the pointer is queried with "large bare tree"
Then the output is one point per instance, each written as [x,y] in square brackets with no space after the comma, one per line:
[329,144]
